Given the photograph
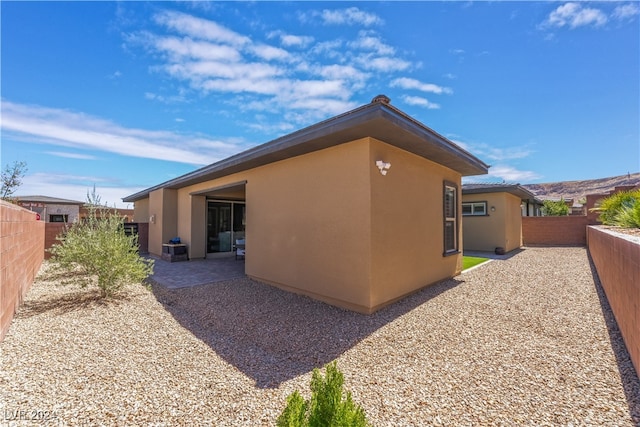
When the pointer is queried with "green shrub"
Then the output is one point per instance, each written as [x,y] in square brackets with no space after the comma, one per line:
[620,209]
[555,208]
[97,250]
[328,406]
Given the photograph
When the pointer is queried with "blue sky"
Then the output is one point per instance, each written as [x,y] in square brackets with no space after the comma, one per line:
[127,95]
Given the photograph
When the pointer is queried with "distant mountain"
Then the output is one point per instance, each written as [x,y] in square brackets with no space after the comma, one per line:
[576,190]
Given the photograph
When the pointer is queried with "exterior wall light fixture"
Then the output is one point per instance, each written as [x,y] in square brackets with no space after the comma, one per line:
[493,208]
[383,166]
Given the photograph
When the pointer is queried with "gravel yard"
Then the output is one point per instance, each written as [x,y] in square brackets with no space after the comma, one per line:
[522,341]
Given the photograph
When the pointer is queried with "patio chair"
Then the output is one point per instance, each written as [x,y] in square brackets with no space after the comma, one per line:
[239,248]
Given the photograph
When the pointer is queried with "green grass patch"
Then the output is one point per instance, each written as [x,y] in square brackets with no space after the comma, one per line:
[470,261]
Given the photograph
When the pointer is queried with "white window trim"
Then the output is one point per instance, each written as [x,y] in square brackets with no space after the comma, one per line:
[450,186]
[474,205]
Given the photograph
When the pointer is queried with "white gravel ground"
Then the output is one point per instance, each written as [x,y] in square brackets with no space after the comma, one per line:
[524,341]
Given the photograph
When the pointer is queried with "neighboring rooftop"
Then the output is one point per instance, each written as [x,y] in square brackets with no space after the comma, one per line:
[515,189]
[48,200]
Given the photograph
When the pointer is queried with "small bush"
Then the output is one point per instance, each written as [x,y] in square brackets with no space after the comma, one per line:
[328,406]
[99,251]
[620,209]
[555,208]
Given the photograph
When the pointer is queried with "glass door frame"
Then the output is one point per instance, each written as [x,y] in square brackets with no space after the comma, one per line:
[236,227]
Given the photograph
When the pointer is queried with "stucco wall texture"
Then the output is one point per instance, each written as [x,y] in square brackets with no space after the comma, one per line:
[21,255]
[501,227]
[328,224]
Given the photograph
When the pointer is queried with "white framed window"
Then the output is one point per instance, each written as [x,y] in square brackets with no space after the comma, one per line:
[450,214]
[474,208]
[58,218]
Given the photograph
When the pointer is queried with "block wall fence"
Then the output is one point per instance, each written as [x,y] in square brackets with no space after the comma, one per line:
[53,230]
[554,230]
[21,255]
[616,257]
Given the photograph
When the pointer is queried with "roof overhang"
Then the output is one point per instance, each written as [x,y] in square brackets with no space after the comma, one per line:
[376,120]
[515,189]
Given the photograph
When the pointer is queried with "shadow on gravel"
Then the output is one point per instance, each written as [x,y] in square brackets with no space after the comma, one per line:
[628,375]
[78,300]
[272,335]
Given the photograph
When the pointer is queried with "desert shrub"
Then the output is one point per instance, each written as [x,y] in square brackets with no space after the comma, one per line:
[97,250]
[620,209]
[555,208]
[328,405]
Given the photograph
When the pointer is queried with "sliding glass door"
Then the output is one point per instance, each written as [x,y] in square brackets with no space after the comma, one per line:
[225,224]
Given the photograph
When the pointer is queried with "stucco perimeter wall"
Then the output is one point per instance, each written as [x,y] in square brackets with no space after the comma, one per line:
[407,230]
[617,260]
[501,227]
[554,230]
[21,255]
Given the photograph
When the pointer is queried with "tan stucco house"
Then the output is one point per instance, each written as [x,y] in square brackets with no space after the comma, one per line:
[358,210]
[492,215]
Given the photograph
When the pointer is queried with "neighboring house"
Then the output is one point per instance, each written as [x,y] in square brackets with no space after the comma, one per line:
[358,210]
[492,215]
[51,209]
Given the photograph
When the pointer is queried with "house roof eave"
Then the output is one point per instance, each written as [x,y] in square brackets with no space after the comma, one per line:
[515,189]
[376,120]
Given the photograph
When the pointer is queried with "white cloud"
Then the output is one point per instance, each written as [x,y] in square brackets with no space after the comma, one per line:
[269,53]
[574,15]
[342,72]
[291,40]
[626,12]
[210,58]
[501,154]
[80,131]
[420,102]
[198,71]
[510,174]
[349,16]
[383,64]
[368,41]
[200,28]
[73,187]
[178,48]
[71,155]
[408,83]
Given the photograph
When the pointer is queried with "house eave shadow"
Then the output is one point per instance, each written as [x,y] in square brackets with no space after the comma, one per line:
[272,335]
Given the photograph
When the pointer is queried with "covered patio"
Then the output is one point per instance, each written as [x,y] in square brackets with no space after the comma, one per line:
[176,275]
